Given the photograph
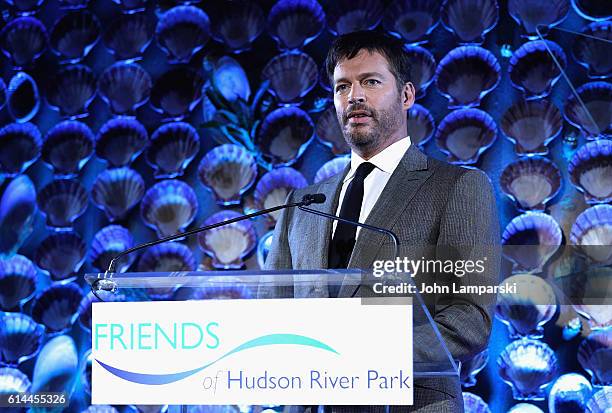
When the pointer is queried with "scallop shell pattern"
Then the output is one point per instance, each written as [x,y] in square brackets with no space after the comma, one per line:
[13,380]
[570,391]
[117,191]
[526,311]
[590,171]
[177,92]
[291,76]
[346,16]
[463,135]
[181,32]
[25,8]
[20,338]
[128,36]
[329,132]
[284,134]
[412,20]
[273,188]
[294,24]
[20,146]
[125,87]
[169,207]
[531,182]
[74,35]
[120,141]
[601,401]
[421,125]
[230,244]
[23,40]
[534,70]
[173,147]
[57,307]
[527,366]
[592,233]
[72,91]
[593,49]
[167,257]
[106,244]
[531,126]
[422,68]
[466,74]
[594,118]
[586,288]
[594,355]
[474,404]
[61,255]
[228,171]
[238,24]
[17,282]
[530,240]
[67,147]
[170,257]
[538,15]
[331,168]
[470,20]
[62,201]
[472,367]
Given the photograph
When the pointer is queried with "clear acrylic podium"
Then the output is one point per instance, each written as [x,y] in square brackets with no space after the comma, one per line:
[431,357]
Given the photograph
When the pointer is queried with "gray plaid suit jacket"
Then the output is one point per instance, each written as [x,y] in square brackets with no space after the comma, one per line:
[427,203]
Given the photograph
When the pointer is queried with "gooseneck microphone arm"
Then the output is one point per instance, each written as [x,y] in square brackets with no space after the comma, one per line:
[306,200]
[391,234]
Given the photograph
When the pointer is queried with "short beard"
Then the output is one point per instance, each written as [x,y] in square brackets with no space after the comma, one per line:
[385,123]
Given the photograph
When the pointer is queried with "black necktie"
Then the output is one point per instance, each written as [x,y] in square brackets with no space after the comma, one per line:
[341,246]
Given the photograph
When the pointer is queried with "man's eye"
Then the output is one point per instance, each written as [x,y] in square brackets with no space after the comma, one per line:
[372,82]
[341,88]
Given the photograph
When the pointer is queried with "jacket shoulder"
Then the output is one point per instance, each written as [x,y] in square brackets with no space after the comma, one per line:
[452,172]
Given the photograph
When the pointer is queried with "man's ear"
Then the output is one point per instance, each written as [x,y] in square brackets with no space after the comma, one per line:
[408,95]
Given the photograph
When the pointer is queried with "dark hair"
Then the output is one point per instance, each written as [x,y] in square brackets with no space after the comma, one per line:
[348,46]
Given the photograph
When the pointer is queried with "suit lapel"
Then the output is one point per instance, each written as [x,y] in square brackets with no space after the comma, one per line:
[402,186]
[323,226]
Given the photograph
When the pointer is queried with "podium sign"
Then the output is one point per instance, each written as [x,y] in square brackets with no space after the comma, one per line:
[272,351]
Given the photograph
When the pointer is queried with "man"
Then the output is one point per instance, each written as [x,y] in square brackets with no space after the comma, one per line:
[390,183]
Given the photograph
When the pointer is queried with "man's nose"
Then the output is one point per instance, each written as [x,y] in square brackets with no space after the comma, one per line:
[357,94]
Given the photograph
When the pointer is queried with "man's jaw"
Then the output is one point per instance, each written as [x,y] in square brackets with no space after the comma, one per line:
[360,139]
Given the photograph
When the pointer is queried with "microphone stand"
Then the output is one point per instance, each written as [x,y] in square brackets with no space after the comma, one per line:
[306,200]
[391,234]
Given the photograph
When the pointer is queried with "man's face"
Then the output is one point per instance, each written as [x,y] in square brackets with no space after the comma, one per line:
[370,108]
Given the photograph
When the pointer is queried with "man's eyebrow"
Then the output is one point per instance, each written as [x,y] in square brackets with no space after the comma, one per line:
[371,74]
[362,76]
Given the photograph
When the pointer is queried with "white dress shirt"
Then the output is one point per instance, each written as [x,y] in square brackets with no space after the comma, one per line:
[385,163]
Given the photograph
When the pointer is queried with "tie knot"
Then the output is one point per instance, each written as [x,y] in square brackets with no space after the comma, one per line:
[364,170]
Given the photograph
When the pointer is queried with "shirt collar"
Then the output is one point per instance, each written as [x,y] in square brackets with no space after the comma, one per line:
[386,160]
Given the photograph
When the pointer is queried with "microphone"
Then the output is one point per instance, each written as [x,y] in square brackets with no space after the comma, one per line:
[313,199]
[387,232]
[306,200]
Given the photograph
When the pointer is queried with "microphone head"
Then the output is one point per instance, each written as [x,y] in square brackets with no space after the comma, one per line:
[313,199]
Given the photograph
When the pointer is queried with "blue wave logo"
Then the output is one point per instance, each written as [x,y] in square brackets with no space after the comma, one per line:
[269,340]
